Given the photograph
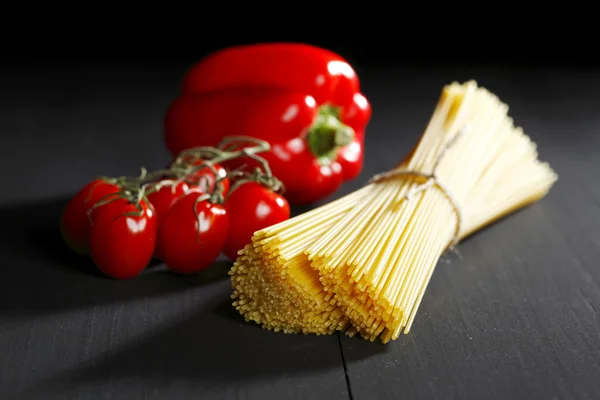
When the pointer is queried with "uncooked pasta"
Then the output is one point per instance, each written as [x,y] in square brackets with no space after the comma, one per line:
[361,264]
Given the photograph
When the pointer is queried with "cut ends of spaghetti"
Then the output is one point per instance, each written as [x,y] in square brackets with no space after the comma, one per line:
[361,264]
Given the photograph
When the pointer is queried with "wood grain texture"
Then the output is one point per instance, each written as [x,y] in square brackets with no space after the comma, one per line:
[514,315]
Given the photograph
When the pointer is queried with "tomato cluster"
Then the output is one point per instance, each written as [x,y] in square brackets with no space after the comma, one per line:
[185,215]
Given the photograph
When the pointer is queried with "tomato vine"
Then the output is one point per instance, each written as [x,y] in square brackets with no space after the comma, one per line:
[145,204]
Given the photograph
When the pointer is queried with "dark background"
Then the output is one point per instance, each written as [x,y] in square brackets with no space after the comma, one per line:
[363,40]
[513,315]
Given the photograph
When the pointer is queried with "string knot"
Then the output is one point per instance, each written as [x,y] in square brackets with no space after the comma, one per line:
[430,180]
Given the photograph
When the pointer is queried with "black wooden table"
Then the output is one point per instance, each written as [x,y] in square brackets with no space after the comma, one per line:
[513,316]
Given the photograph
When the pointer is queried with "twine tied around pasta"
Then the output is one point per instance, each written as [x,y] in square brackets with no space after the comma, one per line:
[431,180]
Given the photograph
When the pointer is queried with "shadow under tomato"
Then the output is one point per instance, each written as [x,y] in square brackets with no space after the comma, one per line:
[41,275]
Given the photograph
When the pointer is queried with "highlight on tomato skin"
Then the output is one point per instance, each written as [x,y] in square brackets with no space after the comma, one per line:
[252,207]
[177,214]
[74,222]
[164,198]
[123,238]
[190,242]
[204,179]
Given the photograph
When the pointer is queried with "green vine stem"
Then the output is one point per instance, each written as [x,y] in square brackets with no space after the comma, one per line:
[228,149]
[186,165]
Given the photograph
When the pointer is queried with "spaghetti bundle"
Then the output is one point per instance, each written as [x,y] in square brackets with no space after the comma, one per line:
[361,264]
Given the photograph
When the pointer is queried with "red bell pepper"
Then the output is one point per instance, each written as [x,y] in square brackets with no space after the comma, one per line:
[305,101]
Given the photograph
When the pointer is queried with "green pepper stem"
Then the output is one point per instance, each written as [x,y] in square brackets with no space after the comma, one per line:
[328,134]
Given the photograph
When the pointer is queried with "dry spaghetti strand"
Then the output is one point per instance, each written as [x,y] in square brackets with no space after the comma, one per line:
[362,263]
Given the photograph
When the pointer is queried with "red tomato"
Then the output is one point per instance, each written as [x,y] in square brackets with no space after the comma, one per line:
[187,243]
[122,245]
[204,179]
[163,199]
[74,221]
[252,207]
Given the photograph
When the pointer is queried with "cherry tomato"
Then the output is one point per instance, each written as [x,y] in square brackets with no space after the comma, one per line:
[251,207]
[165,197]
[203,180]
[74,221]
[187,243]
[122,244]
